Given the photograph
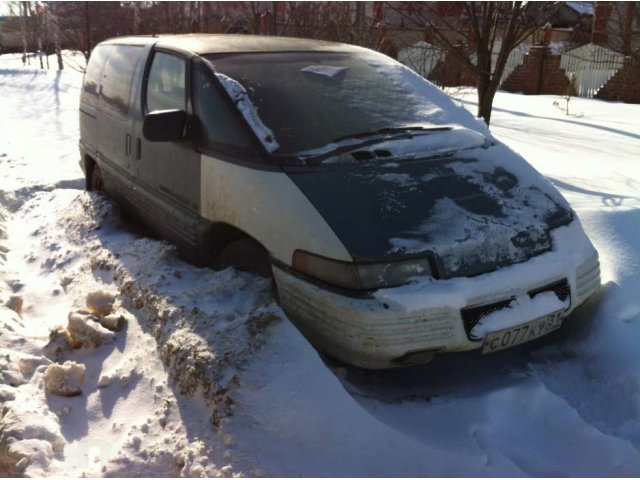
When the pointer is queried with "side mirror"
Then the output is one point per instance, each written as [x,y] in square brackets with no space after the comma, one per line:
[164,125]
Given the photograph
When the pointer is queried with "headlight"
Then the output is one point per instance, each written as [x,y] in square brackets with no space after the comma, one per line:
[360,276]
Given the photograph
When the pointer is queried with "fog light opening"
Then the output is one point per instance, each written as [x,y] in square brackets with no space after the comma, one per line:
[415,357]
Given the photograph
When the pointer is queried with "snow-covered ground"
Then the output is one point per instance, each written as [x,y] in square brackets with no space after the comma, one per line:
[208,377]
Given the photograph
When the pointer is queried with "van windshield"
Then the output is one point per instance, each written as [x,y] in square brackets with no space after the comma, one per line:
[312,100]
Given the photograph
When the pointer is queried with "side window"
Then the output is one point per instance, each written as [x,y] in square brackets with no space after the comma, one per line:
[118,77]
[165,86]
[93,73]
[219,124]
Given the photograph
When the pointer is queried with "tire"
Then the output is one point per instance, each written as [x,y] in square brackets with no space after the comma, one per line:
[95,180]
[245,255]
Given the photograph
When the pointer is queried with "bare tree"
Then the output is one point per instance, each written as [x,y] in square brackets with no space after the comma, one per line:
[480,35]
[25,17]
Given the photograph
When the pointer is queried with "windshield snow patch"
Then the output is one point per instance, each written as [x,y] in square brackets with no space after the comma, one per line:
[324,70]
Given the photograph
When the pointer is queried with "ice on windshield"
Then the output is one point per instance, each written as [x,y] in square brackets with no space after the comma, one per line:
[249,111]
[310,99]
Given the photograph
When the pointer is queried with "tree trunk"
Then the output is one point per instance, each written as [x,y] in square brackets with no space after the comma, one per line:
[136,18]
[486,94]
[56,41]
[40,52]
[274,18]
[25,57]
[87,31]
[483,82]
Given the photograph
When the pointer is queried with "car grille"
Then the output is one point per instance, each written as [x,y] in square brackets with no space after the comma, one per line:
[472,315]
[560,288]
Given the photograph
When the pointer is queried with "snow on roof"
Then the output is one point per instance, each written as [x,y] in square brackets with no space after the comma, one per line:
[583,8]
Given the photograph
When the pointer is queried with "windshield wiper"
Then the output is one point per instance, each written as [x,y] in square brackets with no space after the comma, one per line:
[384,130]
[381,135]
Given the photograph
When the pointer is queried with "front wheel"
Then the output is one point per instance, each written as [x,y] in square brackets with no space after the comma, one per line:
[245,255]
[95,179]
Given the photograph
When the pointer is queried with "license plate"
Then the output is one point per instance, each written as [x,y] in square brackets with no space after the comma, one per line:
[510,337]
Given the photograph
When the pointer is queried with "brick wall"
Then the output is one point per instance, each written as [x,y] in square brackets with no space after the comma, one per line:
[451,72]
[526,78]
[625,84]
[541,74]
[554,78]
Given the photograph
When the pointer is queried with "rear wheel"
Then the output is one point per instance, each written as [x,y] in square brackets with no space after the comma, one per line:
[245,255]
[95,180]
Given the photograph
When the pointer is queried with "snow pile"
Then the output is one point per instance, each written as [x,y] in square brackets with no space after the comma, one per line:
[30,436]
[206,333]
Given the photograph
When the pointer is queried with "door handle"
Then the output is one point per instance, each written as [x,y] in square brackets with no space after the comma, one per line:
[127,145]
[138,149]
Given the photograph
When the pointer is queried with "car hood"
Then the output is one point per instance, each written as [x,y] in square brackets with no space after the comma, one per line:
[471,214]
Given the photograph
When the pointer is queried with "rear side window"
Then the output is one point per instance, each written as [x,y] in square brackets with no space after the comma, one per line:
[93,73]
[166,83]
[118,77]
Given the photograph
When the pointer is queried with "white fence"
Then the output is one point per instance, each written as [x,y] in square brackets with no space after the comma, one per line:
[592,66]
[514,60]
[421,57]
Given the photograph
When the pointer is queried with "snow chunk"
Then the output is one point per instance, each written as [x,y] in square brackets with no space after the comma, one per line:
[15,303]
[113,322]
[100,302]
[65,379]
[6,393]
[84,330]
[28,363]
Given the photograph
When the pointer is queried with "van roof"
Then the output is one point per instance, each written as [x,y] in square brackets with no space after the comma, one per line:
[233,43]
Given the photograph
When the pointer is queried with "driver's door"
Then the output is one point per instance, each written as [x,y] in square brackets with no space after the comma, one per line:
[167,174]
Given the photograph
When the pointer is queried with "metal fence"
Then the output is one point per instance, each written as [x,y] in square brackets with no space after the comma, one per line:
[591,66]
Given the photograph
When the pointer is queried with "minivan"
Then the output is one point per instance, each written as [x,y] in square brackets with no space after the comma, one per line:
[394,225]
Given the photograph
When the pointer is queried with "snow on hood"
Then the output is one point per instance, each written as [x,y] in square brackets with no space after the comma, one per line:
[473,212]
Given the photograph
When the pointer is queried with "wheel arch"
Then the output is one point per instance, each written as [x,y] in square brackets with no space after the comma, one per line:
[215,236]
[89,164]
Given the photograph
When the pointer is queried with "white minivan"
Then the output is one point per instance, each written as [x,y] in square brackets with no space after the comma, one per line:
[395,227]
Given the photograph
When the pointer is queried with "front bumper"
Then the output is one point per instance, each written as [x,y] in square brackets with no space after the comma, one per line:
[408,325]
